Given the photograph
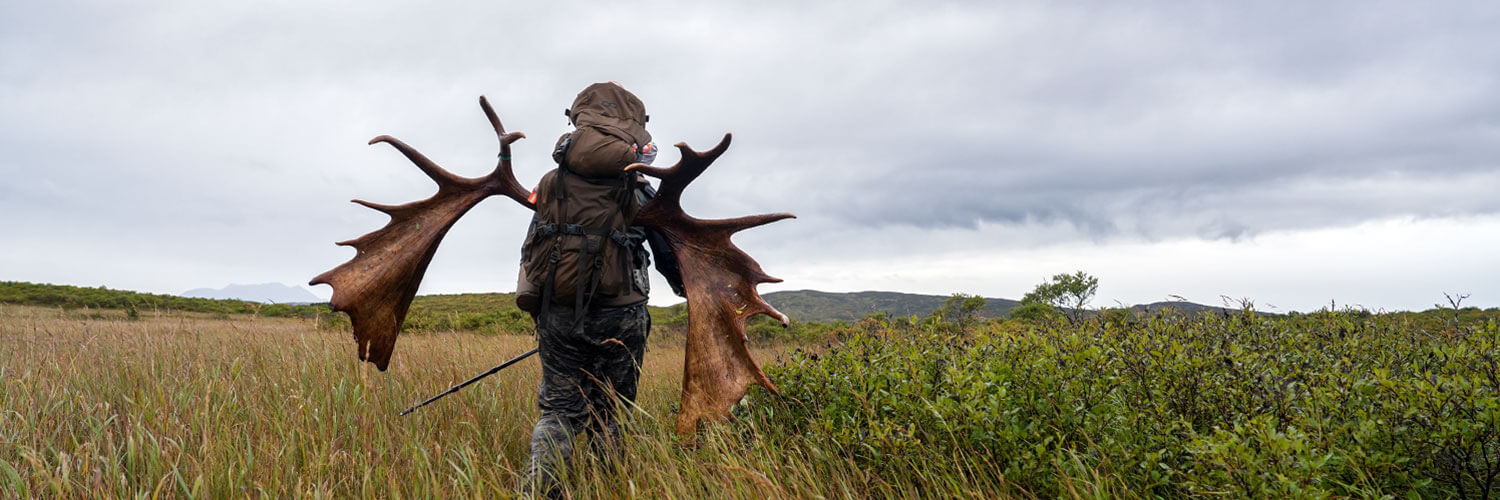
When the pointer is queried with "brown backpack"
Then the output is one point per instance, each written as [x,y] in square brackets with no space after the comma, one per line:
[579,252]
[610,126]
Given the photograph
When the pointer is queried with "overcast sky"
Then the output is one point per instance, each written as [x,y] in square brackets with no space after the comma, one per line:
[1293,153]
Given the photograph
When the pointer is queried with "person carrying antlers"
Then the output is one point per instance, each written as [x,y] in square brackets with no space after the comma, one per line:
[584,279]
[583,274]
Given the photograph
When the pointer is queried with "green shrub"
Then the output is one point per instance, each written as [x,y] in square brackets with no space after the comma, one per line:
[1243,404]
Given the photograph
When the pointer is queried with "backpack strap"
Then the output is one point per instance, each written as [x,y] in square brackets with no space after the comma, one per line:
[623,193]
[593,253]
[585,294]
[580,230]
[549,285]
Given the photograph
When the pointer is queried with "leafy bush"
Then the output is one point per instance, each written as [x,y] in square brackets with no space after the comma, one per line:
[1245,404]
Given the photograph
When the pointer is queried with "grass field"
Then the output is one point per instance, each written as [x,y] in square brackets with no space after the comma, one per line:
[93,405]
[1331,404]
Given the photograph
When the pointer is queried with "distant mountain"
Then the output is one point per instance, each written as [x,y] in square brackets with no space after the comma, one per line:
[270,293]
[823,307]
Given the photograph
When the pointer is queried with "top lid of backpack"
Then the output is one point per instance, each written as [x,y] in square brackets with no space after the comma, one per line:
[610,105]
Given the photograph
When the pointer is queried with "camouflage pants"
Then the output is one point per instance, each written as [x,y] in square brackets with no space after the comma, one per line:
[589,369]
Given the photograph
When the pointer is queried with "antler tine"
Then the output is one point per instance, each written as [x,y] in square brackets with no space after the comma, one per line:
[505,139]
[441,176]
[381,207]
[738,224]
[503,179]
[674,179]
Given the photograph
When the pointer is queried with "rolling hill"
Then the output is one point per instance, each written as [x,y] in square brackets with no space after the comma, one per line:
[823,307]
[497,312]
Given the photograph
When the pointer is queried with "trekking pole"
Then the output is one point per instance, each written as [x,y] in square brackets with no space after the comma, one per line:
[476,378]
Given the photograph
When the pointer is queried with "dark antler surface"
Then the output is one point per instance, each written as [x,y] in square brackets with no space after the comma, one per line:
[721,281]
[377,286]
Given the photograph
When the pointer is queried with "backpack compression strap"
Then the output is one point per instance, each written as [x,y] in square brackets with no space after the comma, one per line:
[623,194]
[587,285]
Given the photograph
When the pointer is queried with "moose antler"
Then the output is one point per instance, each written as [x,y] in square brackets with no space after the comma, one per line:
[720,281]
[377,286]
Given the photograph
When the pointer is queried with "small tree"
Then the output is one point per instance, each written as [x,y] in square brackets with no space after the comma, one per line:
[960,309]
[1033,311]
[1068,292]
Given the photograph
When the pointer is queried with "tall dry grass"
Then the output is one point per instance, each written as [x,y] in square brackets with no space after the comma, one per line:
[93,405]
